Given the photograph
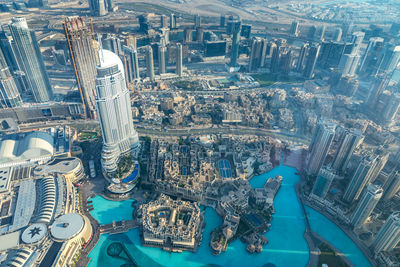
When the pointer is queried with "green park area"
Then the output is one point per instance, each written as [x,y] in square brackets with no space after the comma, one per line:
[88,135]
[330,257]
[267,79]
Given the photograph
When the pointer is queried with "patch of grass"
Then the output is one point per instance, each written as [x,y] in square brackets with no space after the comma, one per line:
[266,79]
[329,257]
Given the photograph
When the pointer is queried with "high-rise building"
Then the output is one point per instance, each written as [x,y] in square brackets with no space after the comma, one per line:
[114,111]
[222,21]
[197,21]
[172,21]
[319,146]
[255,54]
[236,26]
[361,177]
[149,63]
[100,7]
[179,60]
[350,140]
[348,64]
[8,51]
[323,182]
[387,107]
[302,58]
[311,61]
[320,33]
[389,235]
[84,60]
[371,196]
[30,60]
[357,39]
[378,86]
[163,21]
[9,94]
[112,43]
[38,3]
[294,28]
[391,186]
[391,59]
[337,35]
[133,63]
[372,56]
[162,51]
[245,31]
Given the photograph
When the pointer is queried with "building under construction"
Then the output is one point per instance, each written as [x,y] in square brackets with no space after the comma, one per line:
[84,60]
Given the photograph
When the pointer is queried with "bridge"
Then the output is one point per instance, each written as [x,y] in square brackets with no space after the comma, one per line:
[118,227]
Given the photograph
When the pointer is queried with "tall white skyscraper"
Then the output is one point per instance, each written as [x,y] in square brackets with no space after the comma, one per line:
[389,234]
[319,146]
[114,111]
[366,205]
[391,185]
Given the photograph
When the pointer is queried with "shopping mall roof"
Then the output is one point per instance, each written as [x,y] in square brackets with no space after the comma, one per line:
[34,233]
[67,226]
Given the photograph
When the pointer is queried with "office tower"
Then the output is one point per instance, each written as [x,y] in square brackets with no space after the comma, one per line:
[245,31]
[361,177]
[163,21]
[311,61]
[348,64]
[222,21]
[388,106]
[256,54]
[8,52]
[347,86]
[319,146]
[197,21]
[9,94]
[337,35]
[133,63]
[389,235]
[187,32]
[350,140]
[38,3]
[331,53]
[131,41]
[30,60]
[302,58]
[378,86]
[275,58]
[391,59]
[149,63]
[375,45]
[99,7]
[179,59]
[114,111]
[294,28]
[357,39]
[391,186]
[285,62]
[112,43]
[144,24]
[381,159]
[172,21]
[323,182]
[236,24]
[162,51]
[371,196]
[84,60]
[199,35]
[319,33]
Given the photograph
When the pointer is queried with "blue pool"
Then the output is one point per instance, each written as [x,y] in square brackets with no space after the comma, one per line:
[286,247]
[106,211]
[224,168]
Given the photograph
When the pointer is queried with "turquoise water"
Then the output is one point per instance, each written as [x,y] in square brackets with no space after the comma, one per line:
[286,246]
[331,232]
[106,211]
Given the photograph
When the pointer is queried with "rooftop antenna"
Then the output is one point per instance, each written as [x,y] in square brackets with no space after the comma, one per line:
[101,54]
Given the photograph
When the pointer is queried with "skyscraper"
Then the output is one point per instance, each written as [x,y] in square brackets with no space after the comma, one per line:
[100,7]
[172,21]
[30,60]
[179,59]
[162,51]
[319,146]
[323,182]
[149,63]
[357,39]
[84,60]
[133,62]
[255,54]
[8,51]
[350,140]
[348,64]
[371,58]
[302,58]
[337,36]
[9,94]
[361,177]
[389,234]
[391,186]
[391,59]
[294,29]
[372,194]
[114,111]
[197,21]
[163,21]
[311,61]
[236,26]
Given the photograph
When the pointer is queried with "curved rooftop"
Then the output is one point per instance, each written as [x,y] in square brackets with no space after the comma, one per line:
[34,233]
[47,196]
[67,226]
[109,59]
[32,145]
